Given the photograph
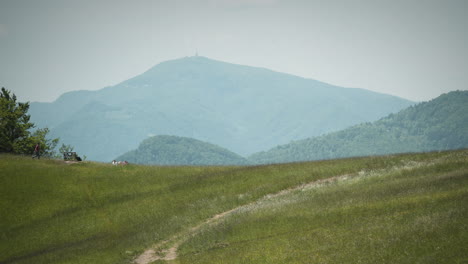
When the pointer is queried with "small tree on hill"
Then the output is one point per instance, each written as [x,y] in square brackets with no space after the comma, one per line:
[65,148]
[15,125]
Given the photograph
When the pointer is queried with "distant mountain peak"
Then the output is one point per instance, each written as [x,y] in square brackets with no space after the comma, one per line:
[242,108]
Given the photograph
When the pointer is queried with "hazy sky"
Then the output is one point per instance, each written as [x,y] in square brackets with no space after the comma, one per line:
[416,49]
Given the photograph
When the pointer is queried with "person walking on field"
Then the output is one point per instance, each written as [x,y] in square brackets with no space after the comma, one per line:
[36,154]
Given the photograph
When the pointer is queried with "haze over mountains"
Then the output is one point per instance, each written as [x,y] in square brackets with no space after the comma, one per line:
[440,124]
[241,108]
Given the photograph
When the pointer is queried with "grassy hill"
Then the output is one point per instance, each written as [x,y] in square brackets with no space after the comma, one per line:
[439,124]
[173,150]
[391,209]
[241,108]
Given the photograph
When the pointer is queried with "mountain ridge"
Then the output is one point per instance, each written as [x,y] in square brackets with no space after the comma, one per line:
[173,150]
[439,124]
[242,108]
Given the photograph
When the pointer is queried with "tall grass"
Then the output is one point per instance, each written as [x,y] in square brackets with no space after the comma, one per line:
[52,212]
[412,214]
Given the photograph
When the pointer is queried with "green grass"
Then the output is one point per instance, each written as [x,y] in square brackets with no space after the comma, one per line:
[396,215]
[53,212]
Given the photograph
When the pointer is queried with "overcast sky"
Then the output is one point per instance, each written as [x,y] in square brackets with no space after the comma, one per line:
[415,49]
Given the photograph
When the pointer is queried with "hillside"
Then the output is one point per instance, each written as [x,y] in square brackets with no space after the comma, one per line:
[241,108]
[439,124]
[391,209]
[173,150]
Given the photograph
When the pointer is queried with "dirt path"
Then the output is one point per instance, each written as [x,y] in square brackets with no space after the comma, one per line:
[167,250]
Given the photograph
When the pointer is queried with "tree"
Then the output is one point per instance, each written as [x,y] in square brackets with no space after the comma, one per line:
[14,122]
[15,134]
[66,148]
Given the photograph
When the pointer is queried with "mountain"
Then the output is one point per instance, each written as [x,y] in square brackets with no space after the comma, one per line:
[241,108]
[440,124]
[173,150]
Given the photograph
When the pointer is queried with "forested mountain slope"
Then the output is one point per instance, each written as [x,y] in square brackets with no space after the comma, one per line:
[173,150]
[439,124]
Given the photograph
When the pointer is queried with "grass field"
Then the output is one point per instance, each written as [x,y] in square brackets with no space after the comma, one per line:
[408,208]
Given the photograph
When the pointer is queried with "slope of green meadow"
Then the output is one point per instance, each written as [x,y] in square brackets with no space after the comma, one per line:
[408,208]
[416,213]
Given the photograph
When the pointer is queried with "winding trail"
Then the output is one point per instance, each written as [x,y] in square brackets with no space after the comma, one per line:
[167,250]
